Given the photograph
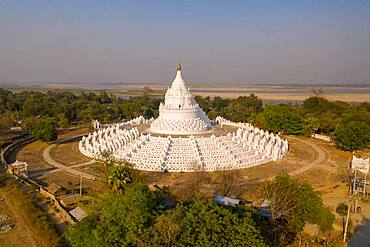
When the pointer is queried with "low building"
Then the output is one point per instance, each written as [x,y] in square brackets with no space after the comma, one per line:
[19,168]
[228,201]
[16,129]
[78,213]
[55,189]
[360,164]
[70,201]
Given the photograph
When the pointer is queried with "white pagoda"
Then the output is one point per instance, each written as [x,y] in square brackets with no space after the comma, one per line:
[180,114]
[182,139]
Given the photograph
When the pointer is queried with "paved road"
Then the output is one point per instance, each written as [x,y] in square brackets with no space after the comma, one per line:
[48,159]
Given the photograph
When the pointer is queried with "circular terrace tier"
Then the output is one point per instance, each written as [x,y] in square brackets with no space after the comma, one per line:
[245,146]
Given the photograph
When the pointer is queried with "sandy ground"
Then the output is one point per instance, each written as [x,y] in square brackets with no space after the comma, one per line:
[159,86]
[229,92]
[32,153]
[25,233]
[22,233]
[341,97]
[68,154]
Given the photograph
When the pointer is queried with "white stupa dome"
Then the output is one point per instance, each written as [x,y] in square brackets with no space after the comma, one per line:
[180,114]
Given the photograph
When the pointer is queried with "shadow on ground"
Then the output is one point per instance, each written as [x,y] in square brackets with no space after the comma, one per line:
[362,235]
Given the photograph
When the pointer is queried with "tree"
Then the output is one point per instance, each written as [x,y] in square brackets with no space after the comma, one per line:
[316,104]
[121,220]
[281,118]
[317,91]
[352,136]
[192,188]
[63,122]
[244,108]
[204,223]
[6,121]
[229,180]
[148,92]
[342,210]
[165,231]
[292,204]
[119,177]
[45,130]
[311,125]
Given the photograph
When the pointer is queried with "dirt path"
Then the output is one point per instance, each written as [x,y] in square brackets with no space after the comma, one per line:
[321,156]
[47,157]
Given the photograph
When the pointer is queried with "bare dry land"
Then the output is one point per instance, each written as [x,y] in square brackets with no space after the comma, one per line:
[67,181]
[276,96]
[265,92]
[68,154]
[278,92]
[31,224]
[32,153]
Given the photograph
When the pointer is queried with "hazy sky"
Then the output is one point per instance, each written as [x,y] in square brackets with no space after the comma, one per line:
[218,41]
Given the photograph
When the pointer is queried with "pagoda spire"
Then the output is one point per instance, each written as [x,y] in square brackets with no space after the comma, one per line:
[178,82]
[179,65]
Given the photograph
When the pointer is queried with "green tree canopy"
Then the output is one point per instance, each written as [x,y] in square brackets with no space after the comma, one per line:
[352,136]
[292,204]
[281,118]
[244,108]
[204,223]
[45,129]
[121,220]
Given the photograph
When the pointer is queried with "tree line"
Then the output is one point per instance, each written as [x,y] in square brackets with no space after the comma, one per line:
[347,123]
[129,214]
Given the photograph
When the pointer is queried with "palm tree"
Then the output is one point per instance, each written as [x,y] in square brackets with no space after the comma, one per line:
[119,177]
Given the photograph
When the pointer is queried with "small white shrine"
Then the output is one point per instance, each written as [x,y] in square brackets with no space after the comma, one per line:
[183,139]
[360,164]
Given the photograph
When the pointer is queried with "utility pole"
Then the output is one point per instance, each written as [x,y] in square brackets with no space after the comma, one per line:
[354,184]
[80,184]
[365,185]
[346,226]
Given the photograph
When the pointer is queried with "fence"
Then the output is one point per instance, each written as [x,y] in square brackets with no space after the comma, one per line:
[28,182]
[62,212]
[14,146]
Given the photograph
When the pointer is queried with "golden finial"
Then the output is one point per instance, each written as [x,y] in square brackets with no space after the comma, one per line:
[179,66]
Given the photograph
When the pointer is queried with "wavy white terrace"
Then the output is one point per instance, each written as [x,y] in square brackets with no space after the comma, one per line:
[246,147]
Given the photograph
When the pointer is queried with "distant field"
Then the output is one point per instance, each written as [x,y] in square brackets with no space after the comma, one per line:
[270,94]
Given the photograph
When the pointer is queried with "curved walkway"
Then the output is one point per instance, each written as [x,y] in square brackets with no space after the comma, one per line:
[69,169]
[322,155]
